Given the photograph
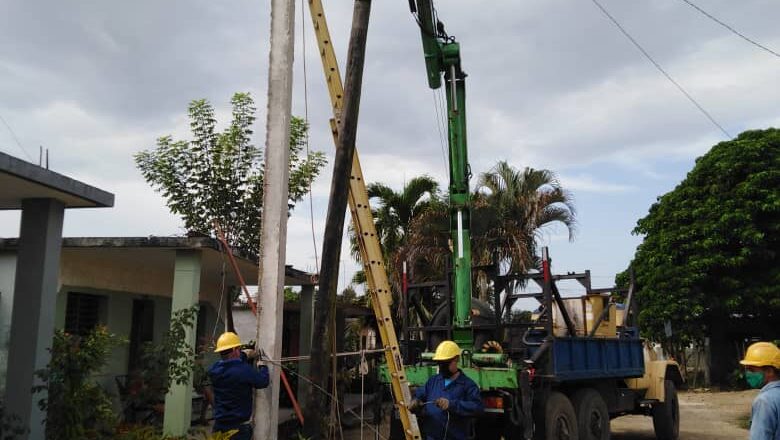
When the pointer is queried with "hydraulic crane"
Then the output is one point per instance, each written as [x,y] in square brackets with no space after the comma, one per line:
[365,231]
[442,58]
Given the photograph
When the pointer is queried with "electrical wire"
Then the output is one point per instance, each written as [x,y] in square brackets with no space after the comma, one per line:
[323,391]
[16,139]
[661,69]
[734,31]
[306,119]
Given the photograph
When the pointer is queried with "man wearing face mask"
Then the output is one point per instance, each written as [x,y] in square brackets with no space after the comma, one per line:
[762,362]
[448,399]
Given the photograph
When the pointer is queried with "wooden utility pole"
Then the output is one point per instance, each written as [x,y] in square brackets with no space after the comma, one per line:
[273,235]
[334,226]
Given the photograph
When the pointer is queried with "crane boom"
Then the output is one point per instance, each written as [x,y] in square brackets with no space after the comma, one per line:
[365,232]
[442,58]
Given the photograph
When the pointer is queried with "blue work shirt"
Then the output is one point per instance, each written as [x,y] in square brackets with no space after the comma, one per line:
[465,402]
[233,382]
[765,421]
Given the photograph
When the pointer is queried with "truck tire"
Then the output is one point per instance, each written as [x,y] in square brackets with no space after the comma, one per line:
[666,415]
[559,421]
[592,414]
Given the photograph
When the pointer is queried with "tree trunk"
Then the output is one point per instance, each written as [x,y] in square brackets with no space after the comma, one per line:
[334,226]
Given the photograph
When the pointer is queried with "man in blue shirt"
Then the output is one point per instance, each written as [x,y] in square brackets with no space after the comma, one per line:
[448,399]
[762,362]
[233,382]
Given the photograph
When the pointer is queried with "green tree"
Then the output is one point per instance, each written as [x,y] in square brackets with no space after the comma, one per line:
[393,214]
[513,207]
[219,175]
[710,248]
[510,209]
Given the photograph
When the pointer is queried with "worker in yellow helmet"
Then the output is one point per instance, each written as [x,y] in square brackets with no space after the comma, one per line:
[762,364]
[448,399]
[233,381]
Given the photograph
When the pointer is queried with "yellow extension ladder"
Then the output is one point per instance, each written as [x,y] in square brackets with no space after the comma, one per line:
[365,231]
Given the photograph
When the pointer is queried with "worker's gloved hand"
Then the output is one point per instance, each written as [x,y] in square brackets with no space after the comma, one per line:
[250,353]
[443,403]
[260,355]
[415,405]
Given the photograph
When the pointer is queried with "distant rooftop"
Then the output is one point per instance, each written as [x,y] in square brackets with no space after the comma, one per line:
[21,180]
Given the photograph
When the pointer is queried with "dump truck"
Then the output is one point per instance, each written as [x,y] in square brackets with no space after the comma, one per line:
[560,371]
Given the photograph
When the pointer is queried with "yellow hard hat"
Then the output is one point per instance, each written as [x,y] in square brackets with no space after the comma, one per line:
[762,354]
[227,341]
[446,351]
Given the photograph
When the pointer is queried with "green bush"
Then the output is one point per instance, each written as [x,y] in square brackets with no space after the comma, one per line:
[76,407]
[10,425]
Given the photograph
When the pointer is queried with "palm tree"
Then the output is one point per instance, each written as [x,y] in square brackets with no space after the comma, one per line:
[394,212]
[510,210]
[513,207]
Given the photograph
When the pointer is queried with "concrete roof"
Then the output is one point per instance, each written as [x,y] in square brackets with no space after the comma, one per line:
[23,180]
[133,250]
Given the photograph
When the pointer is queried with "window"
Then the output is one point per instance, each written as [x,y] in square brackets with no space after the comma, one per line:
[82,313]
[141,330]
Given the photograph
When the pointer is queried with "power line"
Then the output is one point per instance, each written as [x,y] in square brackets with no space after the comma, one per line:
[661,69]
[734,31]
[16,139]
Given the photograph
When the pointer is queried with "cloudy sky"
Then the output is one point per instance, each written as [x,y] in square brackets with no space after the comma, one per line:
[552,84]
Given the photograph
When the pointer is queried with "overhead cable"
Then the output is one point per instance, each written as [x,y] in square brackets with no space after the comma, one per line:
[734,31]
[16,139]
[661,69]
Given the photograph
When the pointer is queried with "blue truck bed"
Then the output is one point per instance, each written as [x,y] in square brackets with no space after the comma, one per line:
[596,358]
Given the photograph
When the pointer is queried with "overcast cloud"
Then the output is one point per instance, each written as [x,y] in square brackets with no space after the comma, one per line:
[552,84]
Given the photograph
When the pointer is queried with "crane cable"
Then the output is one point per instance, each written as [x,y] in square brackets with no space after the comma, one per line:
[661,69]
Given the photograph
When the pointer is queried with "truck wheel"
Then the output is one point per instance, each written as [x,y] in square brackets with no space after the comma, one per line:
[488,428]
[592,414]
[666,415]
[560,420]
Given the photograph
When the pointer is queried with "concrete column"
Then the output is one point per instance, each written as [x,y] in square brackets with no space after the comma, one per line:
[35,296]
[7,277]
[186,285]
[273,233]
[304,339]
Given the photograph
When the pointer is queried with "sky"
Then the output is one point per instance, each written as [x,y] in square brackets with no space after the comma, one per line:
[551,84]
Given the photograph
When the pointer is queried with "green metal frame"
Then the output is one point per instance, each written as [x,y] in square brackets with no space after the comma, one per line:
[487,378]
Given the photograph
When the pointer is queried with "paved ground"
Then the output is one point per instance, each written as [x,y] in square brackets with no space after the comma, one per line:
[703,416]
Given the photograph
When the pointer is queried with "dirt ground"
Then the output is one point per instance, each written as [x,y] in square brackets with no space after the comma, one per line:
[703,416]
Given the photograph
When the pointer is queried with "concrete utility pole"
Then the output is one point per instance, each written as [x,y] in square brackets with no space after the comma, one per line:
[273,235]
[334,226]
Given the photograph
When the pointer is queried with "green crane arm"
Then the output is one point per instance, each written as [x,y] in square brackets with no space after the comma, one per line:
[442,58]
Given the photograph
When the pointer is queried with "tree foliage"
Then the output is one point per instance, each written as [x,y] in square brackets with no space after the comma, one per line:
[76,407]
[710,248]
[172,360]
[393,214]
[510,208]
[219,175]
